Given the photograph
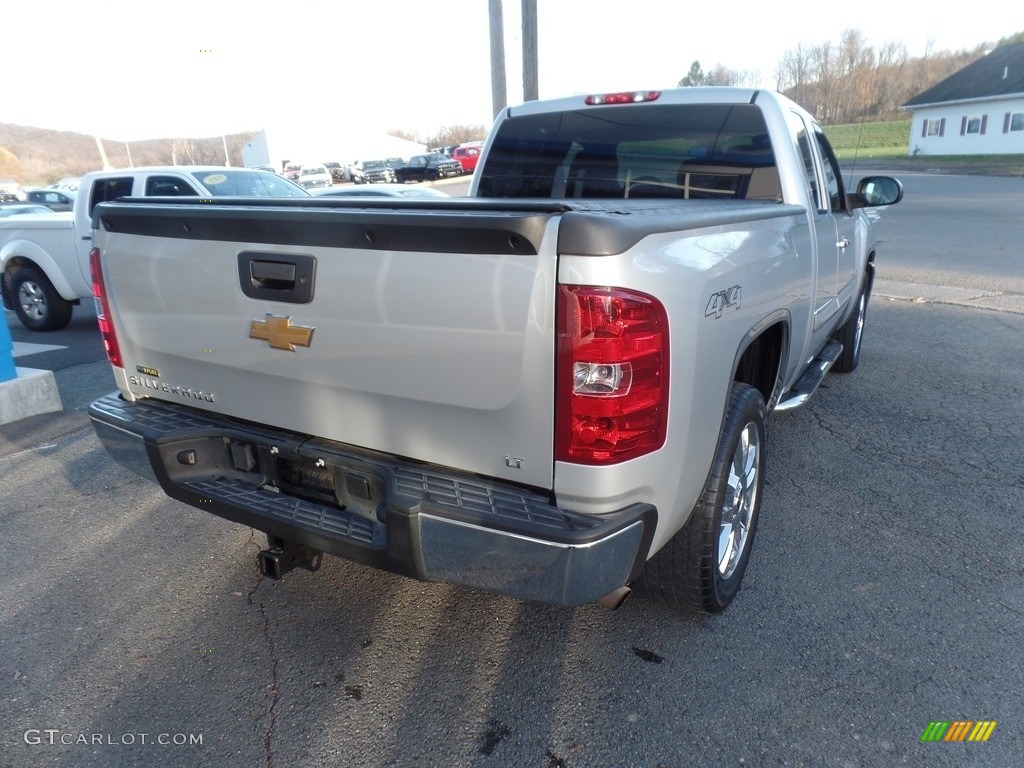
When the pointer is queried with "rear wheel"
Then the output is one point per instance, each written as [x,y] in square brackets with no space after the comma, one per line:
[36,302]
[700,569]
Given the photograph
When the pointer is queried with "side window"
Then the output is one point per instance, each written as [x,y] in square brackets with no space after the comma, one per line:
[167,186]
[833,174]
[803,145]
[104,190]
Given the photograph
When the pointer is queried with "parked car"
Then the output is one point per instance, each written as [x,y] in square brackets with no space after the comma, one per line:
[377,171]
[54,199]
[292,171]
[337,171]
[429,167]
[20,209]
[467,155]
[381,190]
[313,176]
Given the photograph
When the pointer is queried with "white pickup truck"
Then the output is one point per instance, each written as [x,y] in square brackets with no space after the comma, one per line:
[44,259]
[552,389]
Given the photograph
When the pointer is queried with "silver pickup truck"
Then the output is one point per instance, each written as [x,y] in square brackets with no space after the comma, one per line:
[554,388]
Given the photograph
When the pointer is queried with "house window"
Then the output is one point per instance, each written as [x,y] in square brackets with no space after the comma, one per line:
[1015,121]
[973,124]
[933,127]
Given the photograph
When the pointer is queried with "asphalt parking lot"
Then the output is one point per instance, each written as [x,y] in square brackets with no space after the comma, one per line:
[885,590]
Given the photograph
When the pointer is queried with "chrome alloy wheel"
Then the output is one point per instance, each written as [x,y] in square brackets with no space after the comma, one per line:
[32,300]
[741,500]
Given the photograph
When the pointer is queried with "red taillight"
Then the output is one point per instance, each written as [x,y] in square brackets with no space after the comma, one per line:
[103,310]
[612,377]
[623,97]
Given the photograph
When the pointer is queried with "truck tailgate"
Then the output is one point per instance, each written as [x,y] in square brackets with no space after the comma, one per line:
[420,332]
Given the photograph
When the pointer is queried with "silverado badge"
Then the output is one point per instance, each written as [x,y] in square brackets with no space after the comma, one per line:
[280,332]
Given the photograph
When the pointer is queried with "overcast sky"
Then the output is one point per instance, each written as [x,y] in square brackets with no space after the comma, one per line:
[132,69]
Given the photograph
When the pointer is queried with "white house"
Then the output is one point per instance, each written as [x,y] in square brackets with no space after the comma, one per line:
[976,111]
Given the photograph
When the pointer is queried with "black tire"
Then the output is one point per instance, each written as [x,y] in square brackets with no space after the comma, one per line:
[701,568]
[851,333]
[36,302]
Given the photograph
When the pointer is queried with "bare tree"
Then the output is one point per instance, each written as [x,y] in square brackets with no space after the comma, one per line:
[694,77]
[851,82]
[794,72]
[823,61]
[890,70]
[454,135]
[722,75]
[854,86]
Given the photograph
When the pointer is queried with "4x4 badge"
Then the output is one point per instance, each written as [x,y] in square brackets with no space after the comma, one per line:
[280,332]
[723,300]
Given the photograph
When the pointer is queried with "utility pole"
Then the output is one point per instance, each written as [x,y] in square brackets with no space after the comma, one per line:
[499,93]
[103,155]
[530,82]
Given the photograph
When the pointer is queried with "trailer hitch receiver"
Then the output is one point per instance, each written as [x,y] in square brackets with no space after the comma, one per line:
[282,556]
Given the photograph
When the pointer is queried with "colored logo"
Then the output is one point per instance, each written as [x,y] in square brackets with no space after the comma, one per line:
[958,730]
[280,332]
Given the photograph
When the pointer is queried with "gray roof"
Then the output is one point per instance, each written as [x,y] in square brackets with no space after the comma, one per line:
[999,74]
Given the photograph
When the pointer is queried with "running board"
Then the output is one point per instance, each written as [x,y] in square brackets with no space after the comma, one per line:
[807,384]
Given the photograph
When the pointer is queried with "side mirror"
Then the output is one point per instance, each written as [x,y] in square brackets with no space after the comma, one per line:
[874,191]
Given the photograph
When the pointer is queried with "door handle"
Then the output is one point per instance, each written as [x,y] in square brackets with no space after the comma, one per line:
[844,243]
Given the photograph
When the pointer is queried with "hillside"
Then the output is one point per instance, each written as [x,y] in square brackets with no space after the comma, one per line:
[40,156]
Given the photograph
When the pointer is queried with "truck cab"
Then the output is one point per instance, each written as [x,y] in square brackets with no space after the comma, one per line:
[44,260]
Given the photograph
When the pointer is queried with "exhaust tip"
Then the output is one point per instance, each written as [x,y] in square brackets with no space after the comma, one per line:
[615,599]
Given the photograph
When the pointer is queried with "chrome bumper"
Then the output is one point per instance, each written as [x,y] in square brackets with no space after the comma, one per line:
[423,522]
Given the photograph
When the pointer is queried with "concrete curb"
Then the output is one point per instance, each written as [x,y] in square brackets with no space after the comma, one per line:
[922,293]
[33,392]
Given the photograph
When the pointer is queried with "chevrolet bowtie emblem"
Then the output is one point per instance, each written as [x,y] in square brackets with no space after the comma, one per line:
[280,332]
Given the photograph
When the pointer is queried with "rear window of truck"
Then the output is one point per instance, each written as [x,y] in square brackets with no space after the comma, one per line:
[665,151]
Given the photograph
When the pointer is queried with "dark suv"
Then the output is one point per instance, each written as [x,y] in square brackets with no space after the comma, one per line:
[428,167]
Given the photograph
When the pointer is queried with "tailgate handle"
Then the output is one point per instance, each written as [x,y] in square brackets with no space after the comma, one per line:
[287,278]
[274,275]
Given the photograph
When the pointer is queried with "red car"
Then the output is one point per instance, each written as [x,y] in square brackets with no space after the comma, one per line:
[467,155]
